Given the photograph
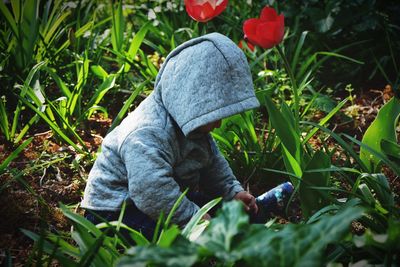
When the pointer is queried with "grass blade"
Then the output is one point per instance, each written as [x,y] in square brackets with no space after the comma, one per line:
[190,226]
[325,120]
[127,104]
[14,154]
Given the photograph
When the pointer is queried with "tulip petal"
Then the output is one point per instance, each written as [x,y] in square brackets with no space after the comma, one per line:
[267,34]
[204,10]
[250,30]
[280,28]
[268,14]
[221,6]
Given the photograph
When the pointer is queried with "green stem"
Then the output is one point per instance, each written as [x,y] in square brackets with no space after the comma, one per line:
[294,87]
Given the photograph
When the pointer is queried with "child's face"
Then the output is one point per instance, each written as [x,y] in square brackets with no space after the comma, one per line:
[209,127]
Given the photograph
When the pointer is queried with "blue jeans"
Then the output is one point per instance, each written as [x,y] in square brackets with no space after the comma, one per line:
[135,218]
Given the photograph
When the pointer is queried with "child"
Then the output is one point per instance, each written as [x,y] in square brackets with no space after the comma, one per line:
[164,146]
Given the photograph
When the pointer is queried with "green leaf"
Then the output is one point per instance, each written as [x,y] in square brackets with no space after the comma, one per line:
[219,237]
[118,27]
[312,199]
[4,126]
[78,219]
[99,71]
[324,120]
[366,192]
[284,129]
[138,237]
[9,18]
[108,83]
[50,34]
[190,226]
[182,253]
[51,249]
[60,83]
[295,245]
[379,183]
[376,154]
[14,154]
[391,149]
[347,148]
[168,236]
[291,165]
[383,127]
[137,40]
[126,105]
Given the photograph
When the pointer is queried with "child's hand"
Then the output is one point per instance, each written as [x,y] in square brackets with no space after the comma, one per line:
[248,200]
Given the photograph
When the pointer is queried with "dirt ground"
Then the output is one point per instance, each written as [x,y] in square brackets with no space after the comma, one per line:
[46,174]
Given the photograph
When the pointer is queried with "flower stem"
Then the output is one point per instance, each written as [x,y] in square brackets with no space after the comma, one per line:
[294,87]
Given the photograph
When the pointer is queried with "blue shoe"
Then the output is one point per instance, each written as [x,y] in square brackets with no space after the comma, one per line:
[272,202]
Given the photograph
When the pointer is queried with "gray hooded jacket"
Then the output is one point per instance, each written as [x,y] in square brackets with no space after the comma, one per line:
[154,153]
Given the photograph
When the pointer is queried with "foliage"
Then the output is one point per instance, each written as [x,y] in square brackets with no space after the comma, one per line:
[104,244]
[231,241]
[382,129]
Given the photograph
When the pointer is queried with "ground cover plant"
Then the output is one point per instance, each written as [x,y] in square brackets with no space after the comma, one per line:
[71,71]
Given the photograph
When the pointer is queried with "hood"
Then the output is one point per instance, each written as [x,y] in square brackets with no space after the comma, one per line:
[204,80]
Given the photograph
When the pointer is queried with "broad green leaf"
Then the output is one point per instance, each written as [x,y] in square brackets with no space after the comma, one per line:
[288,115]
[182,253]
[312,199]
[376,154]
[219,237]
[291,165]
[383,127]
[295,245]
[168,236]
[391,149]
[284,129]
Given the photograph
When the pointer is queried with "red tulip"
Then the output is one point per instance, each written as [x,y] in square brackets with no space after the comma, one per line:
[267,31]
[204,10]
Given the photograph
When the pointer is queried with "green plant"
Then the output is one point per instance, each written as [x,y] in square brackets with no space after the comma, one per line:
[246,147]
[13,155]
[10,128]
[104,244]
[231,241]
[382,129]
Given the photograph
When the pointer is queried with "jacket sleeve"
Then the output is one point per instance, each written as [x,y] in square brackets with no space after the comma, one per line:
[218,179]
[149,159]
